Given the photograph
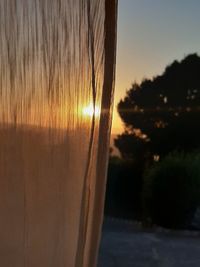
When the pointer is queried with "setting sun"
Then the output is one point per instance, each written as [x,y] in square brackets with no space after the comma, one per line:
[90,111]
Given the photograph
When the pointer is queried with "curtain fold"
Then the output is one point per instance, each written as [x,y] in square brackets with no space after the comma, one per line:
[57,65]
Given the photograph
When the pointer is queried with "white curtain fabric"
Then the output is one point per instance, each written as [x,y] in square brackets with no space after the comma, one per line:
[57,62]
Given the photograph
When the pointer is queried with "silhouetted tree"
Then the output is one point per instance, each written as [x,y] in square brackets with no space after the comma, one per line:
[162,114]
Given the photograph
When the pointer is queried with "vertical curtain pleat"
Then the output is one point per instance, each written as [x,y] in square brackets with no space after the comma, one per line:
[57,63]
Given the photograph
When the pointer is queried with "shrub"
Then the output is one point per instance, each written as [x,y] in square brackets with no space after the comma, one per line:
[124,189]
[172,190]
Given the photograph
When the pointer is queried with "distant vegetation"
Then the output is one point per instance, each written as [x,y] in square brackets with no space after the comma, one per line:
[160,115]
[171,191]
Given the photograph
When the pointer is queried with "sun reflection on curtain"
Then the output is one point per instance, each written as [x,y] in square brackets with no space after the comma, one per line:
[57,61]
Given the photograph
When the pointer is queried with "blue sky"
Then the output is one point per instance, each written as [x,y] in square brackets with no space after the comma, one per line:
[151,34]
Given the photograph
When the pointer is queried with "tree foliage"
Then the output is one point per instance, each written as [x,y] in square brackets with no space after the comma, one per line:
[172,190]
[162,114]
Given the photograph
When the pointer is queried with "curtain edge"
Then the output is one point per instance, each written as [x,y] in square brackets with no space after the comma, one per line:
[110,44]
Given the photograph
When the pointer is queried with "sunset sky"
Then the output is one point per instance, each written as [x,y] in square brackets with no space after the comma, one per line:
[151,34]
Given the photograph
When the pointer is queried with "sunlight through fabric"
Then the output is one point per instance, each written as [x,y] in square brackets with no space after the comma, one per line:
[57,65]
[91,111]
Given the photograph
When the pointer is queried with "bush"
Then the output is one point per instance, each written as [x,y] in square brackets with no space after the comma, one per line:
[114,167]
[172,190]
[124,189]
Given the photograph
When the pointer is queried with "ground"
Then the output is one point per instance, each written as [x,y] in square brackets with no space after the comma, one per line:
[123,245]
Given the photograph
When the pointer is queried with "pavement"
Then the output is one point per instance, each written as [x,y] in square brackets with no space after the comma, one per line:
[123,245]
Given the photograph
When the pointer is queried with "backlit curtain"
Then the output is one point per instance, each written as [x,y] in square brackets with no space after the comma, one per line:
[57,62]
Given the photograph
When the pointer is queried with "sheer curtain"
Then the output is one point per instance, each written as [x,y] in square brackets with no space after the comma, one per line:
[57,63]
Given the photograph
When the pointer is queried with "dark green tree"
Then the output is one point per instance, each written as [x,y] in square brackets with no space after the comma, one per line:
[162,114]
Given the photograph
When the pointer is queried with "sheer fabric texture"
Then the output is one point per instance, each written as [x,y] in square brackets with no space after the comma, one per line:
[57,61]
